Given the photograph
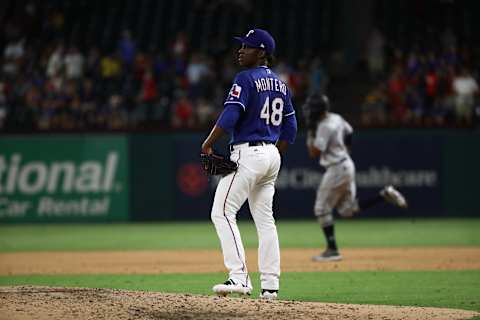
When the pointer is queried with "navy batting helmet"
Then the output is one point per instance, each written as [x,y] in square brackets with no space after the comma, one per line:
[317,102]
[313,108]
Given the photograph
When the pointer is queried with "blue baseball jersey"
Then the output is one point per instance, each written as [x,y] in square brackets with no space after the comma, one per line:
[265,104]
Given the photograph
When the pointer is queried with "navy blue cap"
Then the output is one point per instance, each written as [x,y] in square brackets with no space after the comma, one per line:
[258,38]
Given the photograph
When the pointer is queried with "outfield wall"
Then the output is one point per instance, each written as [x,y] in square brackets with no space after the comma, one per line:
[99,178]
[64,178]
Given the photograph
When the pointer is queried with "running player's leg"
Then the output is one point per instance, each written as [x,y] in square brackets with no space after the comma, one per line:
[347,205]
[387,194]
[325,202]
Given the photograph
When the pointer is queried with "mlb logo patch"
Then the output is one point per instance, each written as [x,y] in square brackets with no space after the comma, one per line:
[235,91]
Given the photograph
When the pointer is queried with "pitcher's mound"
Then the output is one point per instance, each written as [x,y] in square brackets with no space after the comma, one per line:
[30,302]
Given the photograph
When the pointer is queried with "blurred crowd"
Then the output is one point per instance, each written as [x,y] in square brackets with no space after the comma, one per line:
[47,83]
[432,81]
[62,87]
[59,86]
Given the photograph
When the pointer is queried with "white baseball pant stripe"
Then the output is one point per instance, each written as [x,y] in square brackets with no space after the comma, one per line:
[234,234]
[254,180]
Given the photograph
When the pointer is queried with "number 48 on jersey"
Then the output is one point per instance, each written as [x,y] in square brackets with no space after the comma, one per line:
[272,114]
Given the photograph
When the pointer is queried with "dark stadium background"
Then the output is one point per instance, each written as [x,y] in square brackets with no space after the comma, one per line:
[146,79]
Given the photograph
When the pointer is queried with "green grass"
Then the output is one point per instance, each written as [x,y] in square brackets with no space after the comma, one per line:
[451,289]
[201,235]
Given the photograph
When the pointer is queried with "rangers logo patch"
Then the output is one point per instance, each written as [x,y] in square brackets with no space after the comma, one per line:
[235,91]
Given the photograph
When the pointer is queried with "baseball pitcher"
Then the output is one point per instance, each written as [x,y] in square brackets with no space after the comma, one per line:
[259,116]
[328,137]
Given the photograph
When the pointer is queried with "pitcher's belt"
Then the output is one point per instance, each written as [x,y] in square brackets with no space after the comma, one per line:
[249,144]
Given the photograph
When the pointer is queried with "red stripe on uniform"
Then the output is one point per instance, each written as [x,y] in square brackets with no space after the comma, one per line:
[225,215]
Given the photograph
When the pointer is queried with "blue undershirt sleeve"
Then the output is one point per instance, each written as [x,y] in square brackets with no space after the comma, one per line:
[229,117]
[289,129]
[289,122]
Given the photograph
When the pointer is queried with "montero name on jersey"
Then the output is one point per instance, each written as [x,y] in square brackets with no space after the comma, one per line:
[270,84]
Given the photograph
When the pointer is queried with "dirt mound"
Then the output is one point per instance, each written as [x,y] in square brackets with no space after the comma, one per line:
[18,303]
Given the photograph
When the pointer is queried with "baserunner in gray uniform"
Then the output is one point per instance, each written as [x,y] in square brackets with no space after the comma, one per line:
[327,140]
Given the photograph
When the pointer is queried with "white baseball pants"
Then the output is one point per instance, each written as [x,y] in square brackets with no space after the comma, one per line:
[254,180]
[337,190]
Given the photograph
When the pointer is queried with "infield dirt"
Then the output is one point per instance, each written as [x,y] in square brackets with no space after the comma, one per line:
[20,303]
[198,261]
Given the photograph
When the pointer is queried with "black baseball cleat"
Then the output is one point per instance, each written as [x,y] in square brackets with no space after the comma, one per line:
[269,294]
[328,255]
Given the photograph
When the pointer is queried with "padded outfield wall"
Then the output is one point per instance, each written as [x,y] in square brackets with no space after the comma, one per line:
[64,178]
[99,178]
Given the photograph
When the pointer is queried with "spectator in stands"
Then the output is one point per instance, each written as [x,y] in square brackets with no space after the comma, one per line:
[74,62]
[375,53]
[110,67]
[396,94]
[444,107]
[374,107]
[197,72]
[93,63]
[148,96]
[88,102]
[179,47]
[206,113]
[21,115]
[127,49]
[414,100]
[282,70]
[117,117]
[160,65]
[465,88]
[55,62]
[12,55]
[55,82]
[432,61]
[431,88]
[45,114]
[141,65]
[298,81]
[413,64]
[451,57]
[183,116]
[318,77]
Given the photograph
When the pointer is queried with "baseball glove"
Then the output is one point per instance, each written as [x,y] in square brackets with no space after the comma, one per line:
[215,164]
